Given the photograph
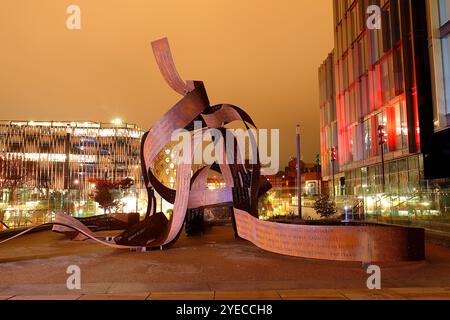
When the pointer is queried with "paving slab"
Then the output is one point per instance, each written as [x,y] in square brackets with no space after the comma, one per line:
[131,296]
[181,296]
[249,295]
[44,297]
[250,286]
[53,289]
[423,293]
[366,294]
[311,294]
[159,287]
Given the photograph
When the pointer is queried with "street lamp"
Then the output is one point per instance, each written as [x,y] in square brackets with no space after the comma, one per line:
[299,173]
[382,140]
[117,121]
[333,160]
[77,183]
[317,173]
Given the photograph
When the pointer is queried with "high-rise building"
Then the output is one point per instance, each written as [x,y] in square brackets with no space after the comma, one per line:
[438,12]
[37,158]
[328,125]
[385,97]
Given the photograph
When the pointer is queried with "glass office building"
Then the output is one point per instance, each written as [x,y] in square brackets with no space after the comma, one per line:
[380,77]
[390,69]
[328,120]
[49,164]
[439,31]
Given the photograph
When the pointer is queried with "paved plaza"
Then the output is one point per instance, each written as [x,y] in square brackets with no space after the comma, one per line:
[213,266]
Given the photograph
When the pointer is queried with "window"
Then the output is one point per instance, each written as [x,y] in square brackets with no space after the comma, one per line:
[440,56]
[374,45]
[386,25]
[351,145]
[391,77]
[395,22]
[444,11]
[401,128]
[367,137]
[385,82]
[446,62]
[392,177]
[365,100]
[398,71]
[403,175]
[382,120]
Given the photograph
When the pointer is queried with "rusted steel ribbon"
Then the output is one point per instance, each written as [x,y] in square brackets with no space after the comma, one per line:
[164,59]
[71,225]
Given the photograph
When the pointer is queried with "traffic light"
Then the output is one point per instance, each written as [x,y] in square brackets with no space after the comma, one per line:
[333,154]
[382,134]
[318,159]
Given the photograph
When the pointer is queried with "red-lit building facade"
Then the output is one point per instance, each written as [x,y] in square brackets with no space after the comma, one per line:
[397,78]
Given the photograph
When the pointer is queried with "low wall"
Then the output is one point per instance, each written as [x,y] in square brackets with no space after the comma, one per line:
[366,243]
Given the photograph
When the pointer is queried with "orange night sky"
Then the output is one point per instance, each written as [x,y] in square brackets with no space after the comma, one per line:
[260,55]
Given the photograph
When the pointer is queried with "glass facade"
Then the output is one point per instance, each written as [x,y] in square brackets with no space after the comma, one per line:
[328,119]
[444,11]
[439,28]
[382,81]
[369,92]
[370,89]
[46,165]
[402,177]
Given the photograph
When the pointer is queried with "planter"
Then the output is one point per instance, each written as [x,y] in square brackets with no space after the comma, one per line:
[334,240]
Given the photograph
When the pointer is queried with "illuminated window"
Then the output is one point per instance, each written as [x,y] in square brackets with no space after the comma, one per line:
[444,11]
[446,62]
[440,56]
[382,120]
[367,137]
[401,127]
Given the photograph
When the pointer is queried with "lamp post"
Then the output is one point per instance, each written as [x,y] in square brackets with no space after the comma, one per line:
[317,173]
[333,160]
[299,174]
[382,140]
[77,183]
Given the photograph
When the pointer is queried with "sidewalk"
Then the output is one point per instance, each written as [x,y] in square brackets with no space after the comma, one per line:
[214,266]
[311,294]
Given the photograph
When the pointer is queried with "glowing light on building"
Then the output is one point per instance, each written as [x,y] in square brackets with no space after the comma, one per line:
[117,122]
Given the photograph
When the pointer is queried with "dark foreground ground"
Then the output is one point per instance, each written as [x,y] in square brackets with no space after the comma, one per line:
[212,266]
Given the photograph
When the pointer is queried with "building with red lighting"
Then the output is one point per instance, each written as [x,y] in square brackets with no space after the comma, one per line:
[395,79]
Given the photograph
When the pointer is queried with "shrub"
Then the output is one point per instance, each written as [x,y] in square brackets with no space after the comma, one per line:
[325,207]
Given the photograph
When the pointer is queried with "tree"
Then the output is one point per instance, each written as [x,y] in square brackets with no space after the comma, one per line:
[15,172]
[13,175]
[325,207]
[266,202]
[108,193]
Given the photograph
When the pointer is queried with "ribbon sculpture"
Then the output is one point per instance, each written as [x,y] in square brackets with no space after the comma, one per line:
[244,185]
